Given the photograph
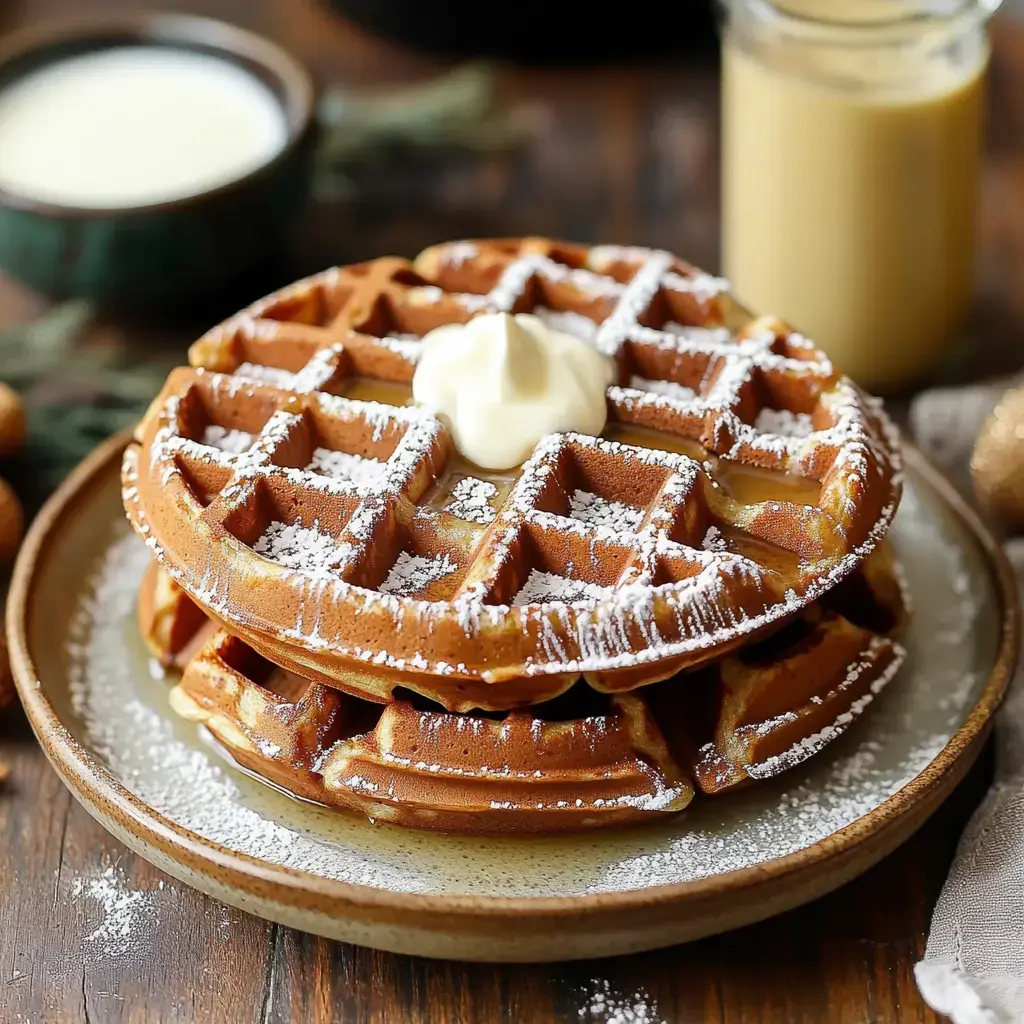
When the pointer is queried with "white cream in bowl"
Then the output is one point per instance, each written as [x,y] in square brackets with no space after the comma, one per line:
[134,125]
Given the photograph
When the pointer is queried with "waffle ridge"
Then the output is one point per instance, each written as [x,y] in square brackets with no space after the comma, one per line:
[625,606]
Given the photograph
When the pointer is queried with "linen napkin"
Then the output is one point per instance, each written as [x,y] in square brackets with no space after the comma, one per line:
[973,968]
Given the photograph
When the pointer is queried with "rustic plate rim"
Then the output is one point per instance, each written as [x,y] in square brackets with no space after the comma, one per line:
[104,795]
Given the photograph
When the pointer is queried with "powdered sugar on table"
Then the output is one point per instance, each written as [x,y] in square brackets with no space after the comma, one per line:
[604,1003]
[126,915]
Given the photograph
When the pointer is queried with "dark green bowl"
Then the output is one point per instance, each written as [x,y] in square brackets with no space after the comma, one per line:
[172,254]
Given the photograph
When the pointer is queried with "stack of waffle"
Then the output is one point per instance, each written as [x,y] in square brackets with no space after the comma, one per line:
[698,598]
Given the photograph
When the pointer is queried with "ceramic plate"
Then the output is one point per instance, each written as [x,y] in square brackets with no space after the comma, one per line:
[101,713]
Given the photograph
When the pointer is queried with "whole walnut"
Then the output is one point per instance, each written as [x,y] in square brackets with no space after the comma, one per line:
[12,420]
[12,517]
[997,466]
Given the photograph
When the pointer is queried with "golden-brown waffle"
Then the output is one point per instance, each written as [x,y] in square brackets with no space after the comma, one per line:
[582,760]
[740,478]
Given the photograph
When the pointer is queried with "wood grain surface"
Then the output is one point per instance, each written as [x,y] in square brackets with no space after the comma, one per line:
[88,932]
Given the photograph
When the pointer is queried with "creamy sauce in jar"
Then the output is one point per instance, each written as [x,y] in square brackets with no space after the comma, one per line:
[850,179]
[134,125]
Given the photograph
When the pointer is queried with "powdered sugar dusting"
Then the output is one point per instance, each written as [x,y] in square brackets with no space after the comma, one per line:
[613,515]
[358,469]
[126,913]
[471,500]
[460,252]
[234,442]
[305,549]
[603,1003]
[784,422]
[413,573]
[543,587]
[713,540]
[803,812]
[408,346]
[575,324]
[668,388]
[273,375]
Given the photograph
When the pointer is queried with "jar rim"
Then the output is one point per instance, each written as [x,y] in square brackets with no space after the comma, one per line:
[926,12]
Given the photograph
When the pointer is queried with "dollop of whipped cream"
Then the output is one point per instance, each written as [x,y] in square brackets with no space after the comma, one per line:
[503,381]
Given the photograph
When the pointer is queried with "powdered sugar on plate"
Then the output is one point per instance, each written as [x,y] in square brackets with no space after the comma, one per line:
[129,726]
[122,717]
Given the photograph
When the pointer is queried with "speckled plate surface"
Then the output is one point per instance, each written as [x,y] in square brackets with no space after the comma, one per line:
[102,716]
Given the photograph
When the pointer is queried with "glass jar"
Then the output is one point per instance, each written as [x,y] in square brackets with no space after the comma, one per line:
[852,134]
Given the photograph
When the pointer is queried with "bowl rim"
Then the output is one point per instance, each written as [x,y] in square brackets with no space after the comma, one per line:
[290,80]
[107,798]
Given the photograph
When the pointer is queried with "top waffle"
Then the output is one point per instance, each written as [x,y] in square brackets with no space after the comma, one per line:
[286,483]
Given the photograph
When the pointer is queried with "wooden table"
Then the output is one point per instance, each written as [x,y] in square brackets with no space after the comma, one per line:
[88,932]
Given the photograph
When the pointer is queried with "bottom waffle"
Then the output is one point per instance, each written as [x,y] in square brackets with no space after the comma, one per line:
[583,760]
